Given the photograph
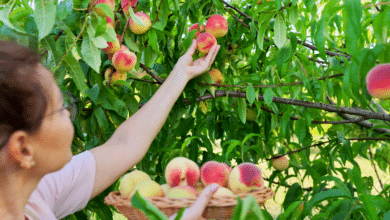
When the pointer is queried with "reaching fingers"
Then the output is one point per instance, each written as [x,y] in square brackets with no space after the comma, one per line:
[212,54]
[192,48]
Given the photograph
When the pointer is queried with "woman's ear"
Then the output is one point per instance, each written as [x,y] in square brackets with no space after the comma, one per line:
[19,151]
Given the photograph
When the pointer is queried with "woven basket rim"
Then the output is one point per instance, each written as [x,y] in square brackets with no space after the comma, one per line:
[261,195]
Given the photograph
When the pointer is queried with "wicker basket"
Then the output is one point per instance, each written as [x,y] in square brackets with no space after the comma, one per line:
[219,208]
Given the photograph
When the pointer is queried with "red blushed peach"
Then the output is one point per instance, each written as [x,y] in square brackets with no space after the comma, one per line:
[115,76]
[378,81]
[182,192]
[125,5]
[112,47]
[214,172]
[124,60]
[205,42]
[138,29]
[110,23]
[217,25]
[227,166]
[182,171]
[196,26]
[110,3]
[216,75]
[245,177]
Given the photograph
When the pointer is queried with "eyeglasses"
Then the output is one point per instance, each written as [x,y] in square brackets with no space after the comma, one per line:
[70,104]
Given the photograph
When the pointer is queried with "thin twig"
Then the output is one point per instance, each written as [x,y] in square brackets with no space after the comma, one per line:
[74,42]
[376,171]
[303,68]
[158,79]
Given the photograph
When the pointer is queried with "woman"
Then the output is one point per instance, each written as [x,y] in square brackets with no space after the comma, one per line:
[39,176]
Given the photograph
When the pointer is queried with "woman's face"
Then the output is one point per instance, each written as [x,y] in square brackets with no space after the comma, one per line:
[54,139]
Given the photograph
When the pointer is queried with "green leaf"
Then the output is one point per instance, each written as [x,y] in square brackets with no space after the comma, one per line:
[250,93]
[280,36]
[50,45]
[4,17]
[352,15]
[130,42]
[218,4]
[44,15]
[91,54]
[262,27]
[300,129]
[76,73]
[165,13]
[294,193]
[319,37]
[324,195]
[233,144]
[369,207]
[93,93]
[106,10]
[290,209]
[241,105]
[186,142]
[151,211]
[248,137]
[64,8]
[153,40]
[268,96]
[293,14]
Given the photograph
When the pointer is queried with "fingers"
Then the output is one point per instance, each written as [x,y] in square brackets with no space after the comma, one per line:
[192,48]
[211,56]
[205,196]
[197,209]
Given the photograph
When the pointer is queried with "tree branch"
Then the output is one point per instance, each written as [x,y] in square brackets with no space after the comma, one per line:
[365,124]
[74,42]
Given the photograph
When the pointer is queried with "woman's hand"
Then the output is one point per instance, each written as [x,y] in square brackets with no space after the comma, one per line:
[195,68]
[195,211]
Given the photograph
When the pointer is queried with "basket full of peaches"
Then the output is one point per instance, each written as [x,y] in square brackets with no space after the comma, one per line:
[185,181]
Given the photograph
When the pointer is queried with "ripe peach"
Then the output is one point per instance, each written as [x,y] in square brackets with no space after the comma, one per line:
[216,75]
[112,46]
[280,163]
[196,26]
[203,106]
[205,42]
[125,5]
[124,60]
[182,171]
[245,177]
[148,188]
[227,166]
[110,23]
[110,3]
[138,29]
[130,180]
[166,187]
[222,191]
[250,114]
[378,81]
[214,172]
[217,25]
[115,76]
[182,192]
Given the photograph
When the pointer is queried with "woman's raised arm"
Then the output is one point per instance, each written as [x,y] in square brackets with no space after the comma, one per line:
[130,142]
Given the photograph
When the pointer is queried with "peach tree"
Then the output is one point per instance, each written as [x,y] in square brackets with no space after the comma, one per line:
[288,82]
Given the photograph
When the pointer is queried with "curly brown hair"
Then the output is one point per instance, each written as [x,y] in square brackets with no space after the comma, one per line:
[23,99]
